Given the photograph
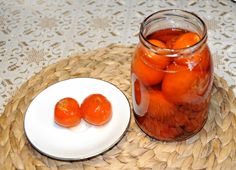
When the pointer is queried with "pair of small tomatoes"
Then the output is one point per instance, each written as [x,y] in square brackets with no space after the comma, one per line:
[95,109]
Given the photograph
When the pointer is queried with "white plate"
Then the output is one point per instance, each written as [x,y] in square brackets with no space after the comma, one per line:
[85,140]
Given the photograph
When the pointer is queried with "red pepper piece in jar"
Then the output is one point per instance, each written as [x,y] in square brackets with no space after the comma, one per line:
[140,95]
[137,92]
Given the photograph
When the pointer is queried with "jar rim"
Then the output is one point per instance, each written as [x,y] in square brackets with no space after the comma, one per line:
[173,52]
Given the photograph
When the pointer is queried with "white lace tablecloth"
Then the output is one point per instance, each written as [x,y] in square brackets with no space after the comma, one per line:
[36,33]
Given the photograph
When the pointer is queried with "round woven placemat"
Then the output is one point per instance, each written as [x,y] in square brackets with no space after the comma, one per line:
[213,148]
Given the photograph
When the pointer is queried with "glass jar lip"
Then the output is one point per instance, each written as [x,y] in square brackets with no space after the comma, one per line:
[172,52]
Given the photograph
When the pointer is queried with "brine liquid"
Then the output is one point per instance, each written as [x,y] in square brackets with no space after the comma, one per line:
[171,94]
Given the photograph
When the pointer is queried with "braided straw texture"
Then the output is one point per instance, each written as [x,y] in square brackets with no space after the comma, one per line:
[213,148]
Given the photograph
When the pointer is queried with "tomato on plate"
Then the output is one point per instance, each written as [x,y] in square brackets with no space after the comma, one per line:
[182,85]
[67,112]
[186,40]
[159,107]
[96,109]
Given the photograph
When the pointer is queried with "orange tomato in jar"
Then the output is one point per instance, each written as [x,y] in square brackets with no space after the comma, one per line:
[205,62]
[182,85]
[186,40]
[200,60]
[67,112]
[191,61]
[149,66]
[96,109]
[159,107]
[158,61]
[167,36]
[147,75]
[157,43]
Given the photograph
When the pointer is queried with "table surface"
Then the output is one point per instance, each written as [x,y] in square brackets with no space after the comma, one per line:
[37,33]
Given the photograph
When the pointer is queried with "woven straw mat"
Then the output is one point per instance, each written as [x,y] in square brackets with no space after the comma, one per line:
[214,147]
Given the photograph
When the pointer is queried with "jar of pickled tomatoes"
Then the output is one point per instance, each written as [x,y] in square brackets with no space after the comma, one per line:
[172,75]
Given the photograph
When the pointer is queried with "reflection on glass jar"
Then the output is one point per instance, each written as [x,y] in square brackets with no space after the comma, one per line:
[172,75]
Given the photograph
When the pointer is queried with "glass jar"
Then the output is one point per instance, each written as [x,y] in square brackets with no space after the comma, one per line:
[172,75]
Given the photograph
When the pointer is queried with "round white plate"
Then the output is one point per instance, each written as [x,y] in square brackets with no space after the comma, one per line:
[84,140]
